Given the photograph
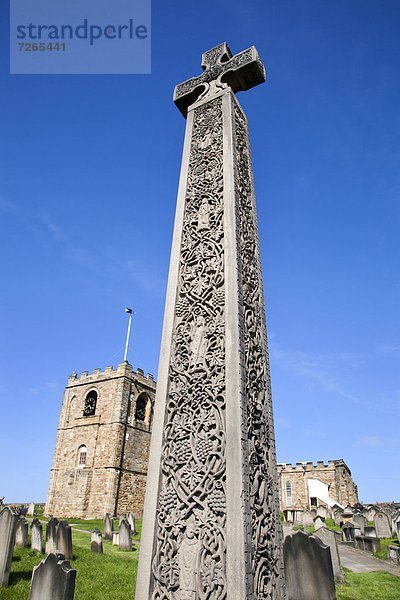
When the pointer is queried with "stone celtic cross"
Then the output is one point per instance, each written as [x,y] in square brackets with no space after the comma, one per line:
[211,526]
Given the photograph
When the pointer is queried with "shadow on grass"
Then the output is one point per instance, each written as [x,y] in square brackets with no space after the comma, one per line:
[18,575]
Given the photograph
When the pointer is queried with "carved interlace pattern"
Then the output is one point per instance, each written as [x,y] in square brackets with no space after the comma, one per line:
[190,547]
[267,565]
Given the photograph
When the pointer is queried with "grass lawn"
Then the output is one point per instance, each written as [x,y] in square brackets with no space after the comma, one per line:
[369,586]
[110,576]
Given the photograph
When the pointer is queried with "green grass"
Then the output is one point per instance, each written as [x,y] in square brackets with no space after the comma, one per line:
[369,586]
[385,542]
[330,523]
[110,576]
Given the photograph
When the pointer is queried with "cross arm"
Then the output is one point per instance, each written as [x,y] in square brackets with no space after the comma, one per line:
[240,72]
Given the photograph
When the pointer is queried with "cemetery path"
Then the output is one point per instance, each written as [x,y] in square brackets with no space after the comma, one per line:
[361,562]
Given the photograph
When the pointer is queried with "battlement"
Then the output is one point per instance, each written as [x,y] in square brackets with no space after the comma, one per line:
[124,369]
[311,466]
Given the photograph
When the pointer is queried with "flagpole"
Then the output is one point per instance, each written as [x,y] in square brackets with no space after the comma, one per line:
[128,333]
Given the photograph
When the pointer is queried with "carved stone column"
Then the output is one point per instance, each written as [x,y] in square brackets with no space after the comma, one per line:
[211,526]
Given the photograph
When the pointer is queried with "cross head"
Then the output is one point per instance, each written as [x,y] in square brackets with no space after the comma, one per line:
[240,72]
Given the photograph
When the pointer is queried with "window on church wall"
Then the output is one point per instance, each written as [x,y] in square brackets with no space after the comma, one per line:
[288,492]
[82,455]
[90,404]
[140,410]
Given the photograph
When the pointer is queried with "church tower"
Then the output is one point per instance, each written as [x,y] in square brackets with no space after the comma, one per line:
[103,437]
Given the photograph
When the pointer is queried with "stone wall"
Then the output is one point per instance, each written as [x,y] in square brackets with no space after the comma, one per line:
[335,474]
[117,445]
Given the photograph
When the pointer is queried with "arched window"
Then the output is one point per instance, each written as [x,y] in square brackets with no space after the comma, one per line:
[82,454]
[140,411]
[90,404]
[288,490]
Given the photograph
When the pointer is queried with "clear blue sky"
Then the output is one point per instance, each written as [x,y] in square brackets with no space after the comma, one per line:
[89,169]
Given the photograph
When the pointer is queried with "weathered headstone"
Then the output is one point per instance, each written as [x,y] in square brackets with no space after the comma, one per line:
[370,532]
[64,540]
[51,535]
[211,517]
[319,522]
[322,511]
[398,529]
[21,533]
[308,568]
[115,539]
[8,526]
[108,527]
[360,522]
[394,554]
[308,518]
[338,516]
[382,525]
[132,522]
[125,535]
[368,544]
[369,513]
[31,509]
[36,535]
[121,518]
[53,579]
[96,542]
[330,538]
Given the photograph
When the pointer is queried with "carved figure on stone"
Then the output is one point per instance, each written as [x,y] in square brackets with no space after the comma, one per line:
[203,220]
[188,561]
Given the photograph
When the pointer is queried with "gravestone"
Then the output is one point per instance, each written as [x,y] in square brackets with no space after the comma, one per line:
[369,513]
[51,536]
[348,532]
[31,509]
[360,522]
[330,538]
[394,554]
[308,568]
[322,512]
[115,539]
[319,522]
[96,543]
[382,525]
[125,536]
[398,530]
[8,526]
[53,579]
[64,540]
[21,533]
[368,544]
[108,527]
[132,522]
[211,520]
[36,535]
[121,518]
[308,518]
[370,532]
[338,516]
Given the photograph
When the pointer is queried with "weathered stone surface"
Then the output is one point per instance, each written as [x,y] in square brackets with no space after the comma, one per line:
[398,529]
[211,520]
[331,539]
[31,509]
[370,532]
[108,527]
[8,526]
[64,539]
[348,532]
[53,579]
[21,533]
[125,536]
[360,522]
[382,525]
[394,554]
[319,522]
[308,518]
[37,535]
[368,544]
[51,536]
[115,539]
[96,542]
[369,513]
[308,568]
[323,512]
[132,522]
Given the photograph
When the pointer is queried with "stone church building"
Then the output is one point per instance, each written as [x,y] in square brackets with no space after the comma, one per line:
[102,450]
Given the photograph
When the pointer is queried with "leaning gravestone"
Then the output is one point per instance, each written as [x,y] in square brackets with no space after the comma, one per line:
[51,535]
[322,512]
[21,534]
[125,535]
[338,516]
[36,535]
[8,526]
[308,568]
[31,509]
[108,527]
[382,525]
[64,540]
[121,518]
[307,518]
[53,579]
[330,538]
[319,522]
[96,542]
[132,522]
[360,522]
